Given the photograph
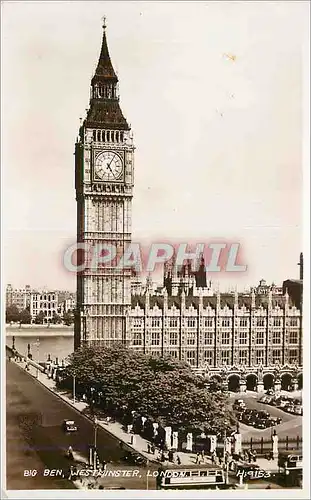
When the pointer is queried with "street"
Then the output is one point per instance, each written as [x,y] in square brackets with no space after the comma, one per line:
[36,441]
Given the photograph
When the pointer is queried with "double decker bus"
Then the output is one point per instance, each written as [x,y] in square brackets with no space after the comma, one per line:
[290,468]
[207,476]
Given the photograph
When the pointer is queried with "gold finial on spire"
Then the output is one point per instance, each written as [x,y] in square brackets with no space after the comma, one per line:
[104,22]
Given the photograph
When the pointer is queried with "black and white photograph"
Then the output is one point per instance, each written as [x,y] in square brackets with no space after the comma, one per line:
[155,249]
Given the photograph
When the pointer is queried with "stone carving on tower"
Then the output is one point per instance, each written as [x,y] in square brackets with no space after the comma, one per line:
[104,188]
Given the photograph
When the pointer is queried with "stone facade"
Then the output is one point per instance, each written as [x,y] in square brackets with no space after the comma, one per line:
[45,302]
[248,340]
[19,297]
[104,203]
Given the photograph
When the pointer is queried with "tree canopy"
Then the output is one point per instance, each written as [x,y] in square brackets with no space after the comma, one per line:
[68,318]
[40,318]
[163,389]
[25,317]
[12,314]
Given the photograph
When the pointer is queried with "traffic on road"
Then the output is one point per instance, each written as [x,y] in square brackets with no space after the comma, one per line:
[38,440]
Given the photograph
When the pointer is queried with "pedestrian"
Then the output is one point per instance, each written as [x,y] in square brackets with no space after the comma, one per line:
[254,456]
[170,456]
[197,458]
[148,448]
[202,455]
[152,449]
[220,460]
[178,460]
[213,457]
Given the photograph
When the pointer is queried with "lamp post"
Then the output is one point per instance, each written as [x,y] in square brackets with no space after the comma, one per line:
[95,443]
[74,388]
[147,476]
[37,344]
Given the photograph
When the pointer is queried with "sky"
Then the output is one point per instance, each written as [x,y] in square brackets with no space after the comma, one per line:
[213,92]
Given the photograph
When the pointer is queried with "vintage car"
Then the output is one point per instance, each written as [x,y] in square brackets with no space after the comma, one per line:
[69,426]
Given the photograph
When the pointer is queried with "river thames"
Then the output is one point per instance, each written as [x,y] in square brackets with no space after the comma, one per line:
[56,342]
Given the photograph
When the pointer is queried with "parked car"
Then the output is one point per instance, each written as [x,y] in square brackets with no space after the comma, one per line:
[297,401]
[252,412]
[264,399]
[270,392]
[239,416]
[69,426]
[263,414]
[276,420]
[289,407]
[248,419]
[270,422]
[260,424]
[298,410]
[239,403]
[134,459]
[283,403]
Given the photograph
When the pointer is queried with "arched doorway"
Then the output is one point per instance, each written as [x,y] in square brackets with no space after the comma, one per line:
[234,383]
[251,382]
[299,381]
[268,381]
[286,382]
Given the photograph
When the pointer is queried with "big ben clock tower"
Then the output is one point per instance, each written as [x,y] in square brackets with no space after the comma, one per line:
[104,189]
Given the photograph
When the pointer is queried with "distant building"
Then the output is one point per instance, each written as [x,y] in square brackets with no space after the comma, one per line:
[68,305]
[64,295]
[264,289]
[188,278]
[18,297]
[45,301]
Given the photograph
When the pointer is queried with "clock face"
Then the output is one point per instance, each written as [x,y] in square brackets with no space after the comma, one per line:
[108,166]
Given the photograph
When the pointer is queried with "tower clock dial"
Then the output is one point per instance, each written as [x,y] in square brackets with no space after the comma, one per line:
[108,166]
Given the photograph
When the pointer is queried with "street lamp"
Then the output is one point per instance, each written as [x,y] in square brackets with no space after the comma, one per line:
[74,388]
[95,442]
[37,344]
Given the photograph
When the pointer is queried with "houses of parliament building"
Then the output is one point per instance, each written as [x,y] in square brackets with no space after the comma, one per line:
[248,341]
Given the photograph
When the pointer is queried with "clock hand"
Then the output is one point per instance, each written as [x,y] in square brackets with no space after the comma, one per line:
[111,161]
[108,166]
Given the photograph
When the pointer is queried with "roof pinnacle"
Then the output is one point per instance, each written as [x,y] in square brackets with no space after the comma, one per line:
[104,22]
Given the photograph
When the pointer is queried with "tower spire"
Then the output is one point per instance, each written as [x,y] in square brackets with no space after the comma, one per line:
[104,23]
[104,110]
[104,70]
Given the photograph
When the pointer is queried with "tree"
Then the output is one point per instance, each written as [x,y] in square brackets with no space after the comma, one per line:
[25,317]
[12,314]
[56,319]
[40,318]
[163,389]
[68,318]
